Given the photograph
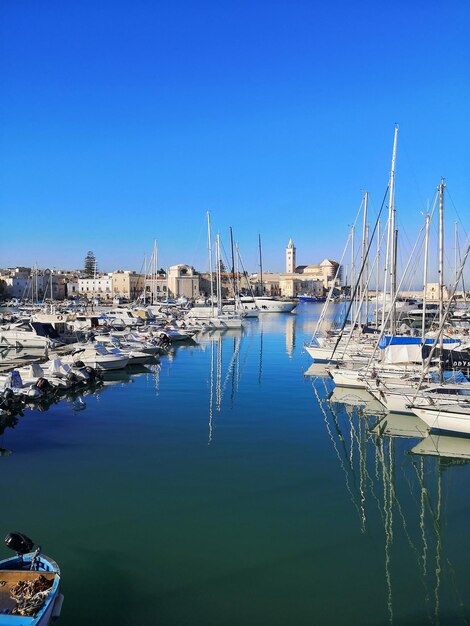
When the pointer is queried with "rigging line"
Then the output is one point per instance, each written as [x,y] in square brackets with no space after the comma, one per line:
[411,169]
[358,279]
[441,326]
[382,332]
[456,212]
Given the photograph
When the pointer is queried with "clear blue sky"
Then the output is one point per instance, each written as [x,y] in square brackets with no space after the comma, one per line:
[124,121]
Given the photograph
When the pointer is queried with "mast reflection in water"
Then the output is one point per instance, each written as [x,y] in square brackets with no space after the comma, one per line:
[406,489]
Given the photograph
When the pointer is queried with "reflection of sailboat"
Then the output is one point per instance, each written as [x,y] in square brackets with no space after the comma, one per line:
[218,382]
[446,446]
[116,376]
[406,496]
[318,370]
[359,398]
[400,425]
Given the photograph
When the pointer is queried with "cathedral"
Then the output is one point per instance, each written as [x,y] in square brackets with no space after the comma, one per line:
[312,280]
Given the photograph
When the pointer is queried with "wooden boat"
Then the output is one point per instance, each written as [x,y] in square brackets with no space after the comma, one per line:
[29,585]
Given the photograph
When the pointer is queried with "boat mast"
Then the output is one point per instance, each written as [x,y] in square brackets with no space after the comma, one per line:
[260,266]
[210,260]
[233,262]
[377,278]
[353,277]
[393,235]
[218,274]
[366,287]
[364,248]
[155,271]
[388,265]
[425,278]
[441,275]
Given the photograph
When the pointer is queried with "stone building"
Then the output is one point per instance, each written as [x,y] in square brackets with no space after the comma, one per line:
[127,284]
[313,280]
[183,280]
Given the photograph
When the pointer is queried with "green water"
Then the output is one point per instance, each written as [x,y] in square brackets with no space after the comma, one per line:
[223,488]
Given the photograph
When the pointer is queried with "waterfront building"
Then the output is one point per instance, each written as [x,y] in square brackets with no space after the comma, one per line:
[313,280]
[100,286]
[183,281]
[270,285]
[25,283]
[155,287]
[127,284]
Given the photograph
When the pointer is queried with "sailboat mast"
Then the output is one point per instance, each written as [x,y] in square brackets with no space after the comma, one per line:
[260,265]
[393,234]
[425,279]
[218,274]
[366,288]
[364,248]
[155,271]
[441,274]
[209,245]
[353,277]
[377,278]
[233,261]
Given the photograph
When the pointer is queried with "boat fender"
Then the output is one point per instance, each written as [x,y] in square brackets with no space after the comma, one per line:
[60,317]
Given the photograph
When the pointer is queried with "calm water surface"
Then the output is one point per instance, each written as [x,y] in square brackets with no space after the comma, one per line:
[226,487]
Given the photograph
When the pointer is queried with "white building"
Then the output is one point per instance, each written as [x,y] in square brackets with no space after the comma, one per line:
[101,286]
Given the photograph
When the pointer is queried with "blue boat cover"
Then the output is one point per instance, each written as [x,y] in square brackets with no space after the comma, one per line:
[406,341]
[449,377]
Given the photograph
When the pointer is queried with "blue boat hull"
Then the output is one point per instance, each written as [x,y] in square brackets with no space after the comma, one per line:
[310,299]
[50,610]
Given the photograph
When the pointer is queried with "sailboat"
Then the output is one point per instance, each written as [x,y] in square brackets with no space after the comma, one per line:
[213,316]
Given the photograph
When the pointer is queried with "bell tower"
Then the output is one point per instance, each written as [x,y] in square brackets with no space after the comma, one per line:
[290,257]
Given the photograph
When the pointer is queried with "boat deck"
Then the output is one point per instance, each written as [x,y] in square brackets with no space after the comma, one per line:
[9,578]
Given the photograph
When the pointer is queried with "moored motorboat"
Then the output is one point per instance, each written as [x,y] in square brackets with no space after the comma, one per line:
[29,585]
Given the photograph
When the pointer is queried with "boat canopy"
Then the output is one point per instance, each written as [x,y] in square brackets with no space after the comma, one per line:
[407,341]
[45,330]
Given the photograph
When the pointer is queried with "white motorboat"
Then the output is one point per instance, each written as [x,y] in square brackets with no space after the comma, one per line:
[98,357]
[27,334]
[269,304]
[123,318]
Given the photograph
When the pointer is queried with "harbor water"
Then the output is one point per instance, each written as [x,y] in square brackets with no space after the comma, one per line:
[232,484]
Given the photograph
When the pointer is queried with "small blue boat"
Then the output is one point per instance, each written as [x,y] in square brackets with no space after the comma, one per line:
[306,298]
[29,585]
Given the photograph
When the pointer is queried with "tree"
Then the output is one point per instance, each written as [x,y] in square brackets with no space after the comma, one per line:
[90,265]
[221,266]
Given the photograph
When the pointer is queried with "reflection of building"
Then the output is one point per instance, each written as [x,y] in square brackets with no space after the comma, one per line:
[290,334]
[183,280]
